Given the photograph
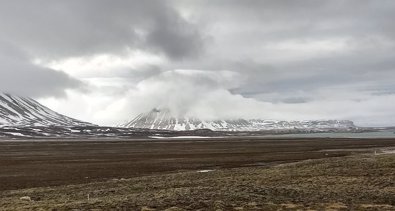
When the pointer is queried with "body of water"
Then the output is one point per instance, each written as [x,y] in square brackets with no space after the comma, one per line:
[381,134]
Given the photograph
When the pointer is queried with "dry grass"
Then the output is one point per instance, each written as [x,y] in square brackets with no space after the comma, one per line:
[360,182]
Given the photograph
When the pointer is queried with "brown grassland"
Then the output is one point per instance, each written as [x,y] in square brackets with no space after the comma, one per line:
[247,174]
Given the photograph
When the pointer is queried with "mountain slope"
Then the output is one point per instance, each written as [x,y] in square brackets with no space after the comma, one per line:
[21,111]
[163,119]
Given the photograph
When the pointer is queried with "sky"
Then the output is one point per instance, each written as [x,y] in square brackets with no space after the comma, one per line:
[106,61]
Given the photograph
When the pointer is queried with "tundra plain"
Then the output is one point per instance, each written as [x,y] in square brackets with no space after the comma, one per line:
[199,174]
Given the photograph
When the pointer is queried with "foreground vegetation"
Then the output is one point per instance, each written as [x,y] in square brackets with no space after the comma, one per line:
[359,182]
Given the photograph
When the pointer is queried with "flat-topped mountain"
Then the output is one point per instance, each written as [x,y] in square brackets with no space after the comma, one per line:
[22,111]
[163,119]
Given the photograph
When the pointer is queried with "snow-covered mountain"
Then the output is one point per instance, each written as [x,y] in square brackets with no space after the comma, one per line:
[21,111]
[163,119]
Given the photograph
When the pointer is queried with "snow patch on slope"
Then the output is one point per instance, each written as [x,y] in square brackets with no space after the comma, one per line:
[21,111]
[163,119]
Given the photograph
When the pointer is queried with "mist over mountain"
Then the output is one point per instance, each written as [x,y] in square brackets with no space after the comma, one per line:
[225,59]
[165,119]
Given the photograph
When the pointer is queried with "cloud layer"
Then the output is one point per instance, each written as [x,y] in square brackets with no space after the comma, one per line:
[57,29]
[20,76]
[273,59]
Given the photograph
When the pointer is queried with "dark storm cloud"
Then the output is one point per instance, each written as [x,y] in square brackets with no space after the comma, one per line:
[319,72]
[286,53]
[42,29]
[364,31]
[20,76]
[173,36]
[74,27]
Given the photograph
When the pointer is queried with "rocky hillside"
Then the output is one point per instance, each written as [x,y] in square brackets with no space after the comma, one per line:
[163,119]
[22,111]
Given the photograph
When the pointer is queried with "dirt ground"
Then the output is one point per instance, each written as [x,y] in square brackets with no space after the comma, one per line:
[220,174]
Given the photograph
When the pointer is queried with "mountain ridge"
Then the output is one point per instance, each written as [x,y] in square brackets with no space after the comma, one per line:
[23,111]
[163,119]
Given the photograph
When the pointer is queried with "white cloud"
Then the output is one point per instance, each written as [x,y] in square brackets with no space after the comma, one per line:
[220,59]
[104,65]
[205,94]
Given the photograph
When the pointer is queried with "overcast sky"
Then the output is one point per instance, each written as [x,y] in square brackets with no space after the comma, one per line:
[105,61]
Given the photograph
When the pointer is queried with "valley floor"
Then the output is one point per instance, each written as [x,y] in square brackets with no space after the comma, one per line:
[237,174]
